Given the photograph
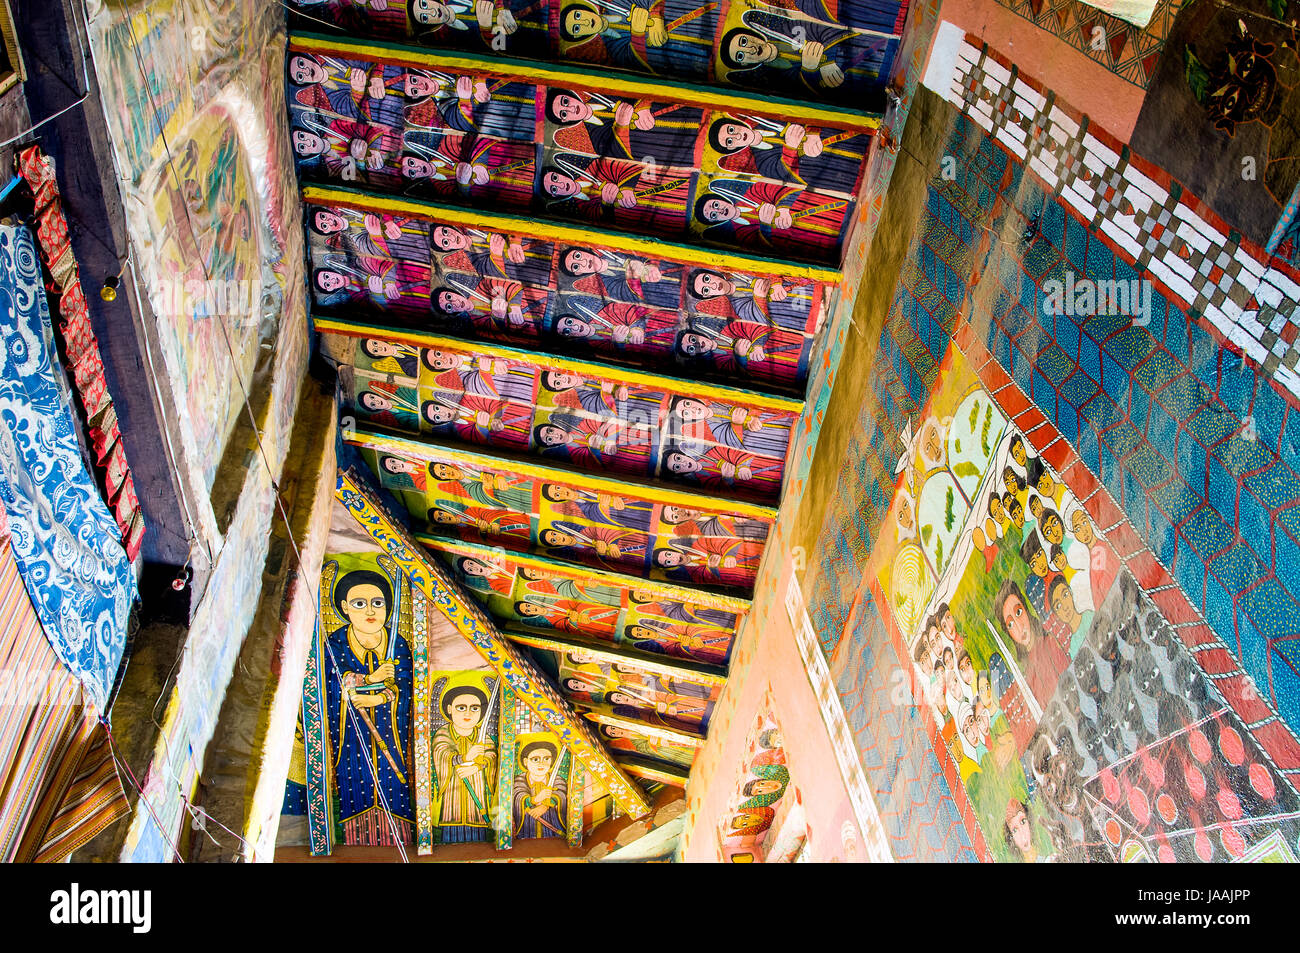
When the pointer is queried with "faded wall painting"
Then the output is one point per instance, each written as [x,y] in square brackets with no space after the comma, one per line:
[579,298]
[193,117]
[761,184]
[1075,722]
[820,50]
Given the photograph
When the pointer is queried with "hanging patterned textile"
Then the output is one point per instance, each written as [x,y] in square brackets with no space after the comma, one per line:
[65,541]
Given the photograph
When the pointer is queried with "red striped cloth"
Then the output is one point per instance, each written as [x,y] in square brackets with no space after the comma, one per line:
[58,784]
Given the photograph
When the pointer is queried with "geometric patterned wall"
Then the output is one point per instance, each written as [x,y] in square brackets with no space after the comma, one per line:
[1177,443]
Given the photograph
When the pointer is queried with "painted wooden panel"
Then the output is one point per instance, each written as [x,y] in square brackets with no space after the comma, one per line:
[424,125]
[592,417]
[732,319]
[544,596]
[621,527]
[636,693]
[753,44]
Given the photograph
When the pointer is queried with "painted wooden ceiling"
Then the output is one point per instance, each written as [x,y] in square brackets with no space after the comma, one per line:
[571,258]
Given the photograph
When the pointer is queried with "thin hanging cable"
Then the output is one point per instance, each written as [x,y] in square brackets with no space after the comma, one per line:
[251,416]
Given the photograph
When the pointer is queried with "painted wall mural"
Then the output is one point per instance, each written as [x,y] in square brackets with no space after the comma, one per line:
[1076,723]
[820,50]
[367,663]
[567,412]
[412,749]
[534,594]
[411,124]
[194,116]
[569,296]
[601,524]
[743,831]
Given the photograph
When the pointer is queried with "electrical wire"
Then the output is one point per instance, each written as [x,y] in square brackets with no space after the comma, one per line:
[253,423]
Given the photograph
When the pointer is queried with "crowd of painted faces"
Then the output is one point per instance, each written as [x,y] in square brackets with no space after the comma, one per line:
[782,187]
[1068,571]
[596,425]
[822,50]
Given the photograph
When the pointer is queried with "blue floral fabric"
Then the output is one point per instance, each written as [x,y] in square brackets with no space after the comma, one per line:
[66,543]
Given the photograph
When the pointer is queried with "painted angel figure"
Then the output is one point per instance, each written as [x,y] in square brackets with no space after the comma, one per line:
[400,287]
[615,326]
[717,466]
[399,473]
[493,490]
[370,234]
[650,603]
[492,255]
[757,350]
[688,522]
[592,592]
[347,150]
[473,418]
[610,544]
[492,24]
[701,643]
[616,191]
[733,426]
[498,307]
[614,277]
[465,758]
[604,509]
[368,667]
[667,37]
[593,124]
[350,89]
[591,443]
[540,797]
[380,356]
[828,160]
[470,166]
[788,303]
[709,559]
[567,615]
[764,215]
[477,520]
[826,49]
[465,103]
[477,374]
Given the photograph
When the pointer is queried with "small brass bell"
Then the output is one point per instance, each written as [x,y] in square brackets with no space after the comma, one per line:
[109,291]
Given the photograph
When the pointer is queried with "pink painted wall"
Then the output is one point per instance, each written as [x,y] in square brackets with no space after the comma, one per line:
[767,658]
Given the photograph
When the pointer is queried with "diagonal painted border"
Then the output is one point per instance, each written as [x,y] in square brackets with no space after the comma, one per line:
[509,665]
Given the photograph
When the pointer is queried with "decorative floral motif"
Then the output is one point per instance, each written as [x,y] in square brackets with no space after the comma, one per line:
[65,541]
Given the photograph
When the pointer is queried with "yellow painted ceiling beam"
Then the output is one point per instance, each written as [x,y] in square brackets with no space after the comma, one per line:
[427,451]
[602,714]
[570,234]
[590,369]
[607,652]
[700,597]
[654,771]
[544,73]
[528,684]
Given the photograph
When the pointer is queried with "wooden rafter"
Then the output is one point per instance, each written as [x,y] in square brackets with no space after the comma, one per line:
[577,77]
[357,199]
